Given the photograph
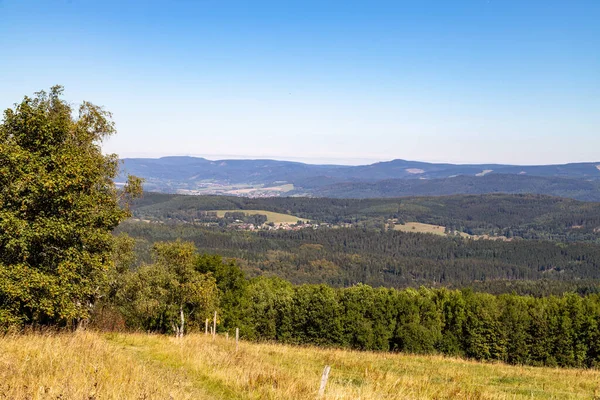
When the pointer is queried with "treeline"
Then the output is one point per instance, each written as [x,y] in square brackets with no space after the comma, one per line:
[554,331]
[344,257]
[535,288]
[181,288]
[526,216]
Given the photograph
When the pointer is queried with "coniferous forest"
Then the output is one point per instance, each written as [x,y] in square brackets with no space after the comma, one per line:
[347,256]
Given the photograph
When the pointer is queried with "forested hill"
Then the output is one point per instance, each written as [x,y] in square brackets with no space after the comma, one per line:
[545,255]
[586,190]
[525,216]
[384,179]
[346,256]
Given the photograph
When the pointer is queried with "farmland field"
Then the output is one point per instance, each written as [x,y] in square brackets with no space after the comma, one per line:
[271,216]
[89,365]
[418,227]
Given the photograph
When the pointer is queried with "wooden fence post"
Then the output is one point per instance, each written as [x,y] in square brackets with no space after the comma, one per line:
[237,338]
[324,378]
[206,327]
[214,325]
[226,335]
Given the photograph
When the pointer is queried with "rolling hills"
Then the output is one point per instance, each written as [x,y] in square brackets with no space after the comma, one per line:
[384,179]
[552,239]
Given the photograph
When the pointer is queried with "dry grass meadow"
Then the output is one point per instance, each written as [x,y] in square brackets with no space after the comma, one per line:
[89,365]
[274,217]
[418,227]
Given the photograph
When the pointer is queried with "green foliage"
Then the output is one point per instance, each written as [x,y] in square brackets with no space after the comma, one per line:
[347,256]
[316,314]
[123,252]
[178,290]
[58,206]
[268,310]
[158,296]
[358,305]
[553,331]
[231,283]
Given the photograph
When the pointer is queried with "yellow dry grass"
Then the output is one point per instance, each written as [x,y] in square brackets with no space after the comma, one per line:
[418,227]
[274,217]
[88,365]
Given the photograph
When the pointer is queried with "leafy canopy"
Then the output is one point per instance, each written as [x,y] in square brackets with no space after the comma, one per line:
[58,206]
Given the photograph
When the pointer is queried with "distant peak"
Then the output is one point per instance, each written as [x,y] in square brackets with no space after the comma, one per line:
[182,158]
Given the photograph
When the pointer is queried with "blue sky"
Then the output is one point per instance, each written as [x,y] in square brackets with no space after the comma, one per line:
[322,81]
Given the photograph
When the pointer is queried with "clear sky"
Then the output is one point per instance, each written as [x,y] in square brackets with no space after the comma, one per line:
[509,81]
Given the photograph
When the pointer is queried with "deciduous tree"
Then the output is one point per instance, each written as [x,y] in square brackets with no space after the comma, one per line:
[58,206]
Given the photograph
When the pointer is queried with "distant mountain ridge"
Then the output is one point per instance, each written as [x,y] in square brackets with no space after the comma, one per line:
[580,189]
[382,179]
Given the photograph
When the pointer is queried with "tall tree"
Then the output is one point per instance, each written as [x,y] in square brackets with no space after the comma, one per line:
[58,206]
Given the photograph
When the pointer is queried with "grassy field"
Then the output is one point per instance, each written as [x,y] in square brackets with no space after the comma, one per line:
[271,216]
[418,227]
[88,365]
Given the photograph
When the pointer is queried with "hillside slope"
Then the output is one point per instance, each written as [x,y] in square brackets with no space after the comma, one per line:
[347,256]
[527,216]
[139,366]
[491,183]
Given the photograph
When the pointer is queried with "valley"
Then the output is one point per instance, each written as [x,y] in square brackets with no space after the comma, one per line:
[529,244]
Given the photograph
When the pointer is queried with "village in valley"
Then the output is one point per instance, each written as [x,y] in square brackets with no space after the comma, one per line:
[250,221]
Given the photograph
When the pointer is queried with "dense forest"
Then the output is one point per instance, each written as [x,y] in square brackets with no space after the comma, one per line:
[347,256]
[560,331]
[525,216]
[580,189]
